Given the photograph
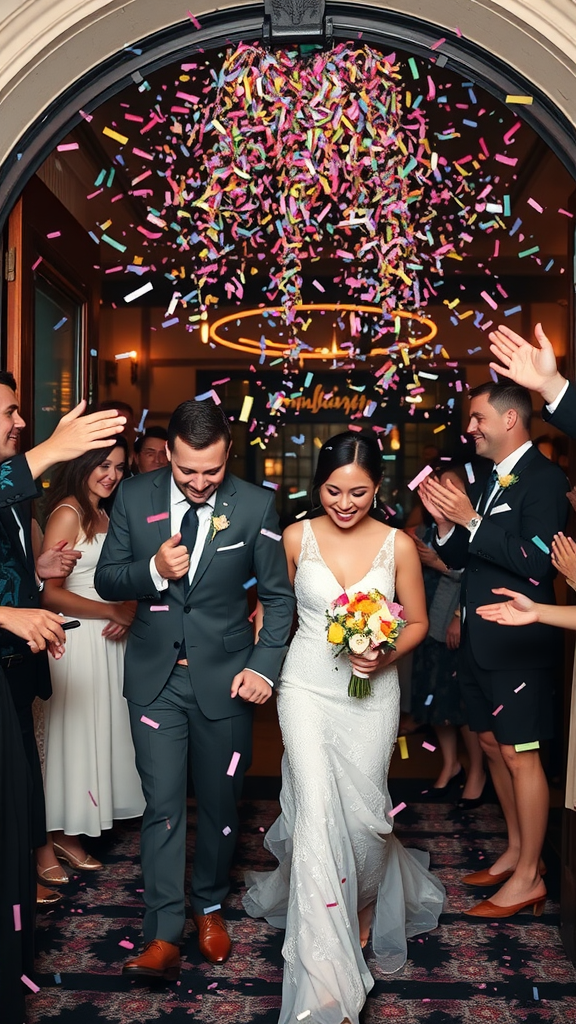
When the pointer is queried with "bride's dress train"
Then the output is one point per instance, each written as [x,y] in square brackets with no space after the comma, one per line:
[333,839]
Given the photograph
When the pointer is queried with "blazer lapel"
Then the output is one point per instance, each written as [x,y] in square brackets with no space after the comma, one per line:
[11,527]
[522,463]
[160,499]
[224,506]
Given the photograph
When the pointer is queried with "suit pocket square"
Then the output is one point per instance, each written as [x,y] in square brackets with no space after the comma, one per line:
[231,547]
[500,508]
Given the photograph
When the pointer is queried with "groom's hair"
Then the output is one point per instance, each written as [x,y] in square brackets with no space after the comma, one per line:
[199,424]
[7,378]
[504,396]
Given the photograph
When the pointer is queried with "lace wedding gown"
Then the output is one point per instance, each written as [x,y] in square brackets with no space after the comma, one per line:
[333,839]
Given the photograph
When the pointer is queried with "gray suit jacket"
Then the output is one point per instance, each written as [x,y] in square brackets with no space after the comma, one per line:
[212,613]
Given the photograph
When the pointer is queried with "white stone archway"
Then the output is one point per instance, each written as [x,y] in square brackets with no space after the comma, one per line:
[48,45]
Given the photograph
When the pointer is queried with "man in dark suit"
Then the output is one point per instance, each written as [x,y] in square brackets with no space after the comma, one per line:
[187,542]
[501,533]
[26,630]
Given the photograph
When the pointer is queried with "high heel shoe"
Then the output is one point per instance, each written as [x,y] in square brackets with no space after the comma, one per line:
[485,878]
[88,864]
[46,897]
[469,803]
[54,874]
[446,793]
[487,909]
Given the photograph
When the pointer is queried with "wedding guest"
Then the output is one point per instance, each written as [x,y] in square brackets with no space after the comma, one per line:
[342,874]
[501,534]
[90,772]
[436,698]
[25,635]
[150,450]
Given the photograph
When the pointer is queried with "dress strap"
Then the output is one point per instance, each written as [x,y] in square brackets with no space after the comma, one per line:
[65,504]
[309,546]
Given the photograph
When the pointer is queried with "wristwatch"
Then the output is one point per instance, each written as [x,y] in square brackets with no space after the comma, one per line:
[473,523]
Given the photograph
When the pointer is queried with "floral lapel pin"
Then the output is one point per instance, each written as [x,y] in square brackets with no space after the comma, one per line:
[218,524]
[504,482]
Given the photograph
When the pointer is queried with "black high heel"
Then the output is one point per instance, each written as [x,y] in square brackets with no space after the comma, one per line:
[467,804]
[439,794]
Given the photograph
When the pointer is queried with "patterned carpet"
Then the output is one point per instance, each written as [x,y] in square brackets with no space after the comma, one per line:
[464,971]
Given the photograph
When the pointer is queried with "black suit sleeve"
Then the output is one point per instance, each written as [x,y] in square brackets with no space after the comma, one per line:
[564,417]
[455,551]
[16,482]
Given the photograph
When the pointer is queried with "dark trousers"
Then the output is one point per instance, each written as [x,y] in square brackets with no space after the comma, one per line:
[183,733]
[18,677]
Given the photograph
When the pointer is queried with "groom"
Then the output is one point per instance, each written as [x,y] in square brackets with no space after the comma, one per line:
[187,542]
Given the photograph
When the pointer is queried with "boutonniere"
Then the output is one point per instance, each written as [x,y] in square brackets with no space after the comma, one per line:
[507,481]
[218,523]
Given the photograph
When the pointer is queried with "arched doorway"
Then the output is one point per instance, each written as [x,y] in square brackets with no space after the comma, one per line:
[82,66]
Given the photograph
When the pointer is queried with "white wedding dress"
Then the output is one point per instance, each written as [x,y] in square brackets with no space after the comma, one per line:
[333,839]
[90,770]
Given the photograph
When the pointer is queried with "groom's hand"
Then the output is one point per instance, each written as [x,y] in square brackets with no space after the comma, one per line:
[251,687]
[172,558]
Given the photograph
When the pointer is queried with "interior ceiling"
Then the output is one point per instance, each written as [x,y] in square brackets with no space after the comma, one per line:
[464,121]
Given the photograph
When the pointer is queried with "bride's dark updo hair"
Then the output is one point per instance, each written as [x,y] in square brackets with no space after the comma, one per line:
[343,450]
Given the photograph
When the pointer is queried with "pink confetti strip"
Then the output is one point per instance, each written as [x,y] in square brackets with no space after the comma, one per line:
[535,582]
[420,477]
[332,904]
[396,810]
[226,831]
[429,746]
[273,536]
[17,917]
[498,710]
[521,687]
[92,799]
[159,607]
[157,518]
[67,147]
[149,721]
[26,980]
[126,944]
[233,763]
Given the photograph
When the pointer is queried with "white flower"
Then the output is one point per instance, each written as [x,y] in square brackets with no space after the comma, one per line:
[358,643]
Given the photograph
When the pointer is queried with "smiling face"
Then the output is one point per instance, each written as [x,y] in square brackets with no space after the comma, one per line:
[347,495]
[490,428]
[11,423]
[104,480]
[198,472]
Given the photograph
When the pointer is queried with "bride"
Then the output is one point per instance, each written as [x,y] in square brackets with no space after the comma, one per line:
[342,874]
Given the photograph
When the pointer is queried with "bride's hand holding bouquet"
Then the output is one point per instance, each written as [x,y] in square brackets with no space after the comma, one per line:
[366,626]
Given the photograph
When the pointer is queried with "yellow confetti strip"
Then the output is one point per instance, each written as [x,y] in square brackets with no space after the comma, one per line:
[122,139]
[438,429]
[528,100]
[246,409]
[403,747]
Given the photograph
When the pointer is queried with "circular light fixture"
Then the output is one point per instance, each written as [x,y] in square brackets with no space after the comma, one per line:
[253,347]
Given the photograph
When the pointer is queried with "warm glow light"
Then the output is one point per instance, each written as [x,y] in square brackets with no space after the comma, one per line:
[395,439]
[126,355]
[252,347]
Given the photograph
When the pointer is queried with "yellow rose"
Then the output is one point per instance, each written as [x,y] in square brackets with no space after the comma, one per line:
[335,633]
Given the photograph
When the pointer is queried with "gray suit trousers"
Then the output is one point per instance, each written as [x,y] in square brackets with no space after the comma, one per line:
[185,736]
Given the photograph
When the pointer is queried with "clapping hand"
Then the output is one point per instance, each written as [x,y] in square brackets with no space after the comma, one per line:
[520,611]
[564,557]
[448,502]
[532,366]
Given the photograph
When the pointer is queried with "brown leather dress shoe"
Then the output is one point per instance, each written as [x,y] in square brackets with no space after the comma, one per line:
[213,939]
[487,909]
[158,959]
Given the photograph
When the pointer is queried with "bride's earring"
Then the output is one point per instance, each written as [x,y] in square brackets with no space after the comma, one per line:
[375,504]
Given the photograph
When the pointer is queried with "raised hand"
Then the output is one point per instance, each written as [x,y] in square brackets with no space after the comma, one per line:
[172,558]
[520,611]
[453,505]
[564,556]
[74,435]
[532,366]
[55,562]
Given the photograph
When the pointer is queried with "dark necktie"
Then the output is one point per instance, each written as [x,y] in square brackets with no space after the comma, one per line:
[487,492]
[189,533]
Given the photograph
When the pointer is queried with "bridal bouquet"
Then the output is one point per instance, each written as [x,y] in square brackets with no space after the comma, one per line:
[362,622]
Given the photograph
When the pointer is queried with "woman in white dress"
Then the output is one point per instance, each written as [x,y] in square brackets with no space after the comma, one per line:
[342,874]
[90,773]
